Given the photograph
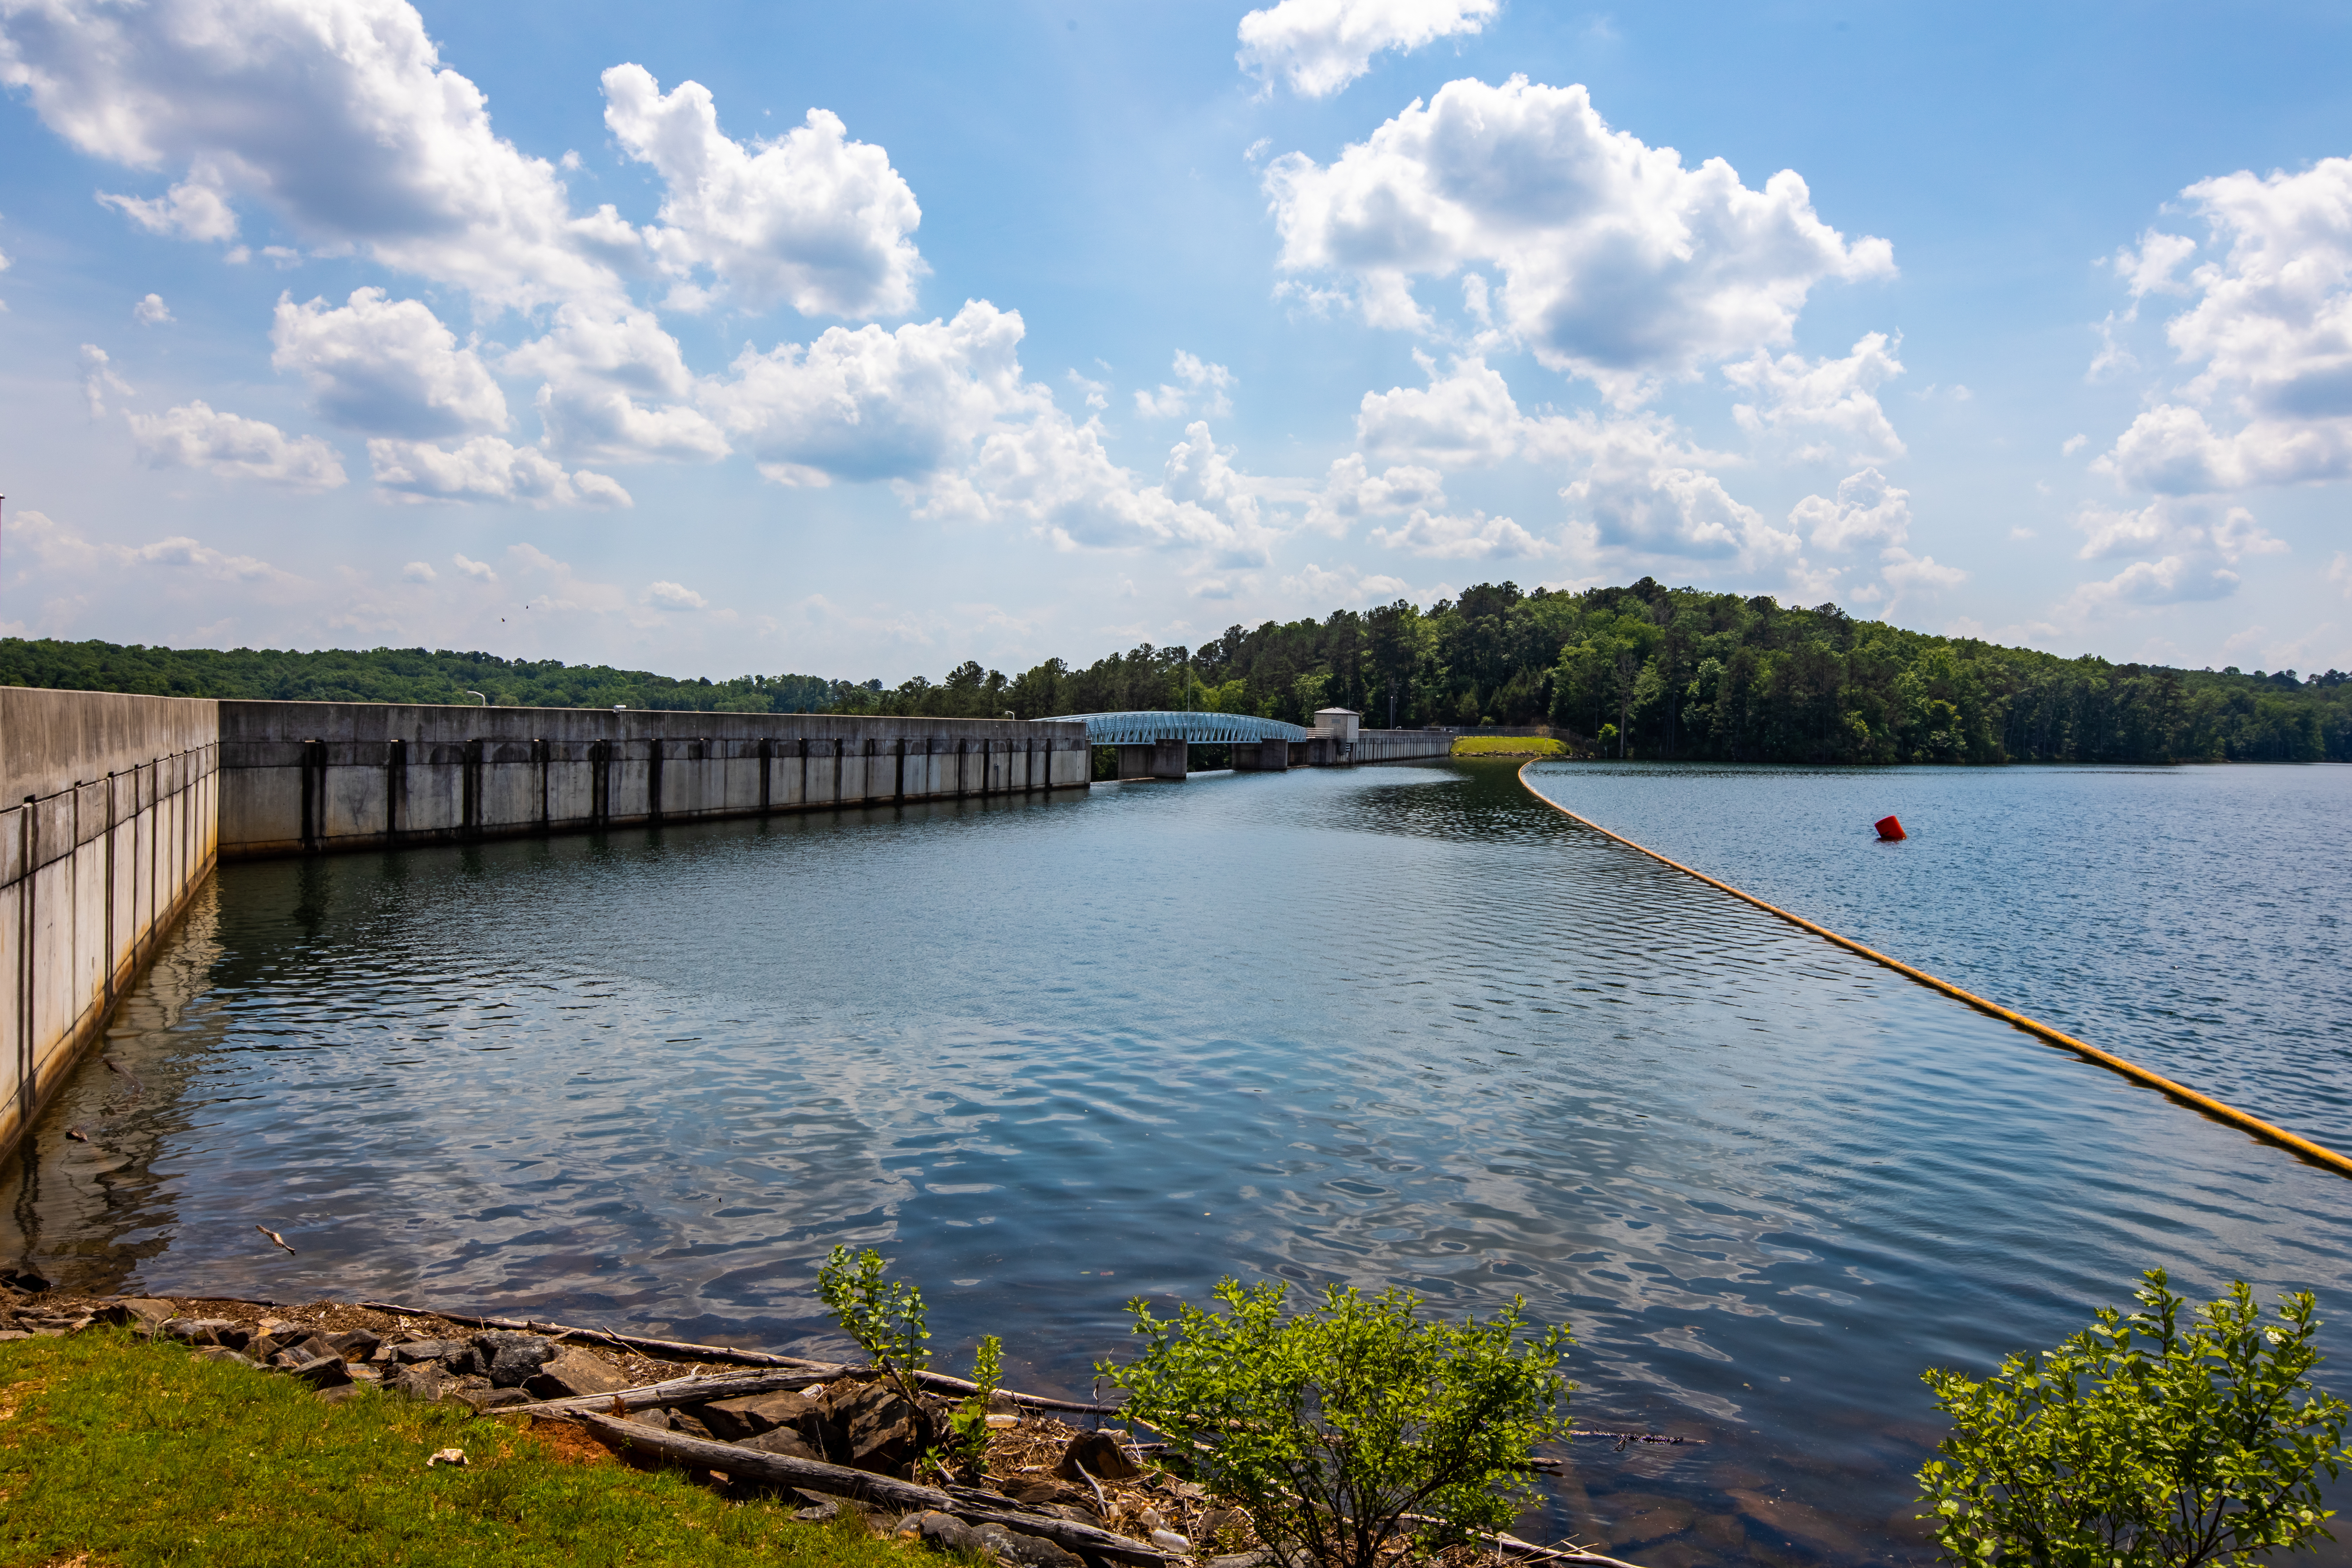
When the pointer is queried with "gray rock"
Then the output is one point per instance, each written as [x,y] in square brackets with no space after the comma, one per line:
[339,1392]
[732,1420]
[410,1351]
[508,1358]
[818,1511]
[681,1421]
[222,1352]
[781,1440]
[355,1344]
[321,1372]
[572,1373]
[137,1312]
[424,1381]
[942,1532]
[202,1332]
[1011,1546]
[6,1335]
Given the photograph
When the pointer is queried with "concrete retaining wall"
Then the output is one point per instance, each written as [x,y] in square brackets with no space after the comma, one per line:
[305,776]
[112,826]
[1402,745]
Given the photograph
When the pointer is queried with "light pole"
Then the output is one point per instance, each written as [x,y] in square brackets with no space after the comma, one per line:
[478,697]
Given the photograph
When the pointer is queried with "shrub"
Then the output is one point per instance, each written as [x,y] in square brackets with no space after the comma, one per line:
[1343,1427]
[2140,1442]
[886,1318]
[967,1423]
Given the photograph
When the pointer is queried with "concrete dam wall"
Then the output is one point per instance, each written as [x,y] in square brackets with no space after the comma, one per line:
[123,804]
[307,777]
[112,826]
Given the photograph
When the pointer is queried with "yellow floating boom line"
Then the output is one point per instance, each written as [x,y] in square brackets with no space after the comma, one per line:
[2292,1142]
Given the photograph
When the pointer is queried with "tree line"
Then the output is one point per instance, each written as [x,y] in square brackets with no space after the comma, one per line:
[1639,671]
[1656,672]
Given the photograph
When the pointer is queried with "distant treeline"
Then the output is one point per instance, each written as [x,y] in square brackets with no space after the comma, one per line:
[396,675]
[1644,670]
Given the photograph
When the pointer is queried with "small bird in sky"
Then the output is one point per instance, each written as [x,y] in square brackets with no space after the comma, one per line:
[275,1238]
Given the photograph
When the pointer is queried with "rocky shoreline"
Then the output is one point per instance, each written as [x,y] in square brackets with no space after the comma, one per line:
[818,1438]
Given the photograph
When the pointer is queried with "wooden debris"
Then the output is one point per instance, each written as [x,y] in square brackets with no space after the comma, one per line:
[861,1486]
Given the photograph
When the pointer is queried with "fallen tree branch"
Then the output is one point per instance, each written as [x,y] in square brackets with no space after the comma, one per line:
[699,1389]
[836,1480]
[938,1382]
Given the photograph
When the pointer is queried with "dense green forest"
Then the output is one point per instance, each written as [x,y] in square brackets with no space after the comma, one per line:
[1645,671]
[396,675]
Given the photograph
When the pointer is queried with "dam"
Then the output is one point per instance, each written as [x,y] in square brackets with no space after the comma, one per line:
[121,805]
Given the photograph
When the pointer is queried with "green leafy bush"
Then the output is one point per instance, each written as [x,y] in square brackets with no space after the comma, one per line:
[968,1423]
[885,1317]
[1344,1427]
[2141,1442]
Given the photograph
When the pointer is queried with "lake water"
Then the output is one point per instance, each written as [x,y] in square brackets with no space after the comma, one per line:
[1398,1026]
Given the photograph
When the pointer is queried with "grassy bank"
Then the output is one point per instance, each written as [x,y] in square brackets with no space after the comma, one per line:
[1507,746]
[120,1452]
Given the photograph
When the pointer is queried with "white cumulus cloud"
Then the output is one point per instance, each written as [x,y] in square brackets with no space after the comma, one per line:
[1866,509]
[1827,409]
[1350,491]
[388,367]
[1056,476]
[1448,537]
[812,219]
[875,405]
[1195,378]
[151,311]
[99,380]
[1619,264]
[2174,580]
[196,435]
[674,597]
[2268,332]
[1319,46]
[489,468]
[1647,490]
[616,389]
[337,114]
[2170,525]
[1465,418]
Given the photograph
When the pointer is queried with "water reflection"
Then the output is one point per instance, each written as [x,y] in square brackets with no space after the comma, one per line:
[1403,1026]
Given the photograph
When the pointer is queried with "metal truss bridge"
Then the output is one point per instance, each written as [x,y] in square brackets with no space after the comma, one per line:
[1144,728]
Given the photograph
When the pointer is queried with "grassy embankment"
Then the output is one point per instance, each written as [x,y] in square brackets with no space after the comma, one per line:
[115,1451]
[1507,746]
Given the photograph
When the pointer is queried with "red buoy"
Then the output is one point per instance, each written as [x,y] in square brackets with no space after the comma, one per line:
[1890,829]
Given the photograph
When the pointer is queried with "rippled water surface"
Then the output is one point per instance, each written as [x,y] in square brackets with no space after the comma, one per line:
[1403,1025]
[2194,920]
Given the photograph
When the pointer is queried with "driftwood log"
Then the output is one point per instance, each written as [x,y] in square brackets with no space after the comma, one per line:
[938,1382]
[701,1389]
[838,1481]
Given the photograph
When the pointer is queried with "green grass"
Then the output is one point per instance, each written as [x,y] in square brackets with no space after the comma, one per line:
[141,1453]
[1507,746]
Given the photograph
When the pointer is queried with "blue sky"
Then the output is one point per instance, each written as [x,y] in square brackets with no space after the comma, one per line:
[860,340]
